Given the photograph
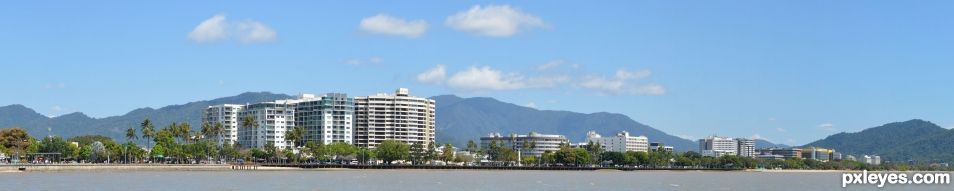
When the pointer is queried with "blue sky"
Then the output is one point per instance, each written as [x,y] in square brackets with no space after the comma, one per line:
[786,71]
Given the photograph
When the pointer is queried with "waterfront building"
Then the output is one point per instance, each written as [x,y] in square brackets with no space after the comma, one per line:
[872,159]
[227,116]
[784,152]
[819,154]
[718,146]
[655,146]
[326,119]
[397,116]
[622,142]
[746,147]
[770,156]
[851,158]
[273,120]
[536,143]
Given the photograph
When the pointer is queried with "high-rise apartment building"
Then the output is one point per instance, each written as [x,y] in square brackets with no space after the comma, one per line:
[397,116]
[326,119]
[746,147]
[273,119]
[225,115]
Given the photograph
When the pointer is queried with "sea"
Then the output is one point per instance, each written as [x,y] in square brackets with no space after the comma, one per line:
[438,180]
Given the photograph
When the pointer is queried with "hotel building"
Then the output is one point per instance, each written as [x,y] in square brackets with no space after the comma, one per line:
[622,142]
[718,146]
[397,116]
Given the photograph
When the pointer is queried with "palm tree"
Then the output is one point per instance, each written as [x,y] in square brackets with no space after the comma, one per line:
[295,136]
[131,134]
[218,129]
[148,131]
[206,130]
[249,122]
[185,130]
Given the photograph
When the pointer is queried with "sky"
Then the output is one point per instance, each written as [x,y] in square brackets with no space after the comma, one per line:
[789,72]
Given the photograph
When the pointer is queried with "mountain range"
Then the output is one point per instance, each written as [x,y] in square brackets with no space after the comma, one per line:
[916,139]
[458,120]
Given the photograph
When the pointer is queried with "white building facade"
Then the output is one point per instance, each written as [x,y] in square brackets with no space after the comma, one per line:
[718,146]
[273,120]
[622,142]
[225,115]
[397,116]
[532,144]
[326,119]
[746,147]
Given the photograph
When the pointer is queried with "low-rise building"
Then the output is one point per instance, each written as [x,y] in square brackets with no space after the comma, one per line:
[718,146]
[536,143]
[784,152]
[872,159]
[656,146]
[622,142]
[819,154]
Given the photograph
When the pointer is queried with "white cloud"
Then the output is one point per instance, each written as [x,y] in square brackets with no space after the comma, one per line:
[827,126]
[218,28]
[550,65]
[493,20]
[435,75]
[531,105]
[255,32]
[772,119]
[389,25]
[623,83]
[363,61]
[209,30]
[485,78]
[757,136]
[780,129]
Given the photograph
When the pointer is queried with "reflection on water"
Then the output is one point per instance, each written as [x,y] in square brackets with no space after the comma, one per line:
[428,180]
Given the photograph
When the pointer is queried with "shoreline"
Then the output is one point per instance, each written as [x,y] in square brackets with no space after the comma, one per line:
[227,167]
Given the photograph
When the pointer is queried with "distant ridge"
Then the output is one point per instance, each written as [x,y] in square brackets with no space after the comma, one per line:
[899,141]
[462,119]
[77,123]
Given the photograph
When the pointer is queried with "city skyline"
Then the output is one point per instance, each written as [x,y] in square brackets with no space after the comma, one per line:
[787,73]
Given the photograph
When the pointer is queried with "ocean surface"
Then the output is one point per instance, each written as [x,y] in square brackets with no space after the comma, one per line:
[433,180]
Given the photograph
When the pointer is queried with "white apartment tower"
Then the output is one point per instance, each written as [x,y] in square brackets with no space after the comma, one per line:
[622,142]
[397,116]
[227,116]
[273,120]
[718,146]
[326,119]
[746,147]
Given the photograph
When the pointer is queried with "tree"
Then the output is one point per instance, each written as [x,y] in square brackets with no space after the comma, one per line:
[392,150]
[296,135]
[316,149]
[447,154]
[472,146]
[364,155]
[131,134]
[16,139]
[250,125]
[56,145]
[86,152]
[340,149]
[98,152]
[148,131]
[418,153]
[431,153]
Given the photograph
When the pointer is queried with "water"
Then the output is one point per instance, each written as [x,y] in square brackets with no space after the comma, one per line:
[432,180]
